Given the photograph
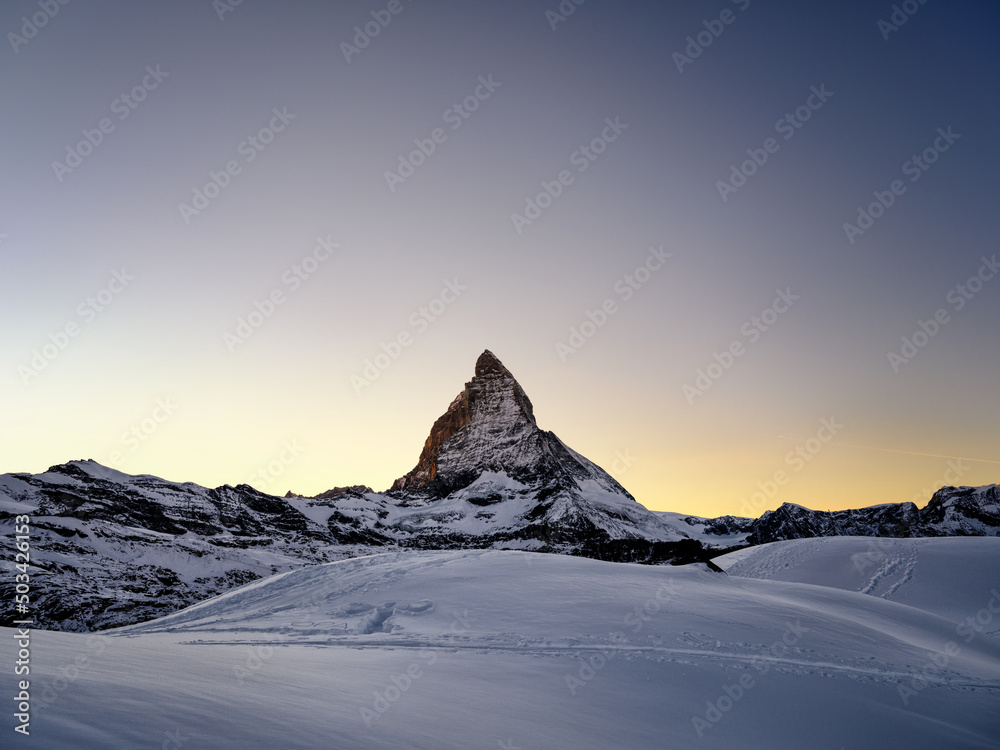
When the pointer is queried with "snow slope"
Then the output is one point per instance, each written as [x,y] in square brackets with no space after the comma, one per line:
[955,577]
[506,649]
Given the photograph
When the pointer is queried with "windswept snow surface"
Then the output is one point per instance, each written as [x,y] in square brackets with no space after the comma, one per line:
[507,649]
[956,577]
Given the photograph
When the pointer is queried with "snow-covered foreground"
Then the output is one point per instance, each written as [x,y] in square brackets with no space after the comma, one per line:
[955,577]
[506,649]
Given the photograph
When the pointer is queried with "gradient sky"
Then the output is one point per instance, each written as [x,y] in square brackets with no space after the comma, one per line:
[150,383]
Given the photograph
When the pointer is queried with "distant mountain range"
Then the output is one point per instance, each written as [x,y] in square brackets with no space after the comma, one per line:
[952,511]
[112,549]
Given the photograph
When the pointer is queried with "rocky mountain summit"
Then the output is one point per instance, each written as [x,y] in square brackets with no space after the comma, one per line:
[488,474]
[490,427]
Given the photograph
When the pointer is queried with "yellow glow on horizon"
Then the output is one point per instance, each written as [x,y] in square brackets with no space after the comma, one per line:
[316,433]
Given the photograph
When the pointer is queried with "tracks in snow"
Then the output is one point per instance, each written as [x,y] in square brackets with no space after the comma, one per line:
[896,569]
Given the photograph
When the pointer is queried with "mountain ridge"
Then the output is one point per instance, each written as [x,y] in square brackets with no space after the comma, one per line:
[111,549]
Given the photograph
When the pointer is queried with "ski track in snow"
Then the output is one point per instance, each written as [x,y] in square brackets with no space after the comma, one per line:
[895,571]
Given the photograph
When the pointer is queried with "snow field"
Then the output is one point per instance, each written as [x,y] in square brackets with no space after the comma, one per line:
[488,649]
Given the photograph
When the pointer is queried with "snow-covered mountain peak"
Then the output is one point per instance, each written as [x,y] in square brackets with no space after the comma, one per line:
[490,428]
[487,427]
[488,474]
[496,398]
[87,469]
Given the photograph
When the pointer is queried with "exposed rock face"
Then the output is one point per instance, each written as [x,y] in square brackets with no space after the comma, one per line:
[455,418]
[964,511]
[490,427]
